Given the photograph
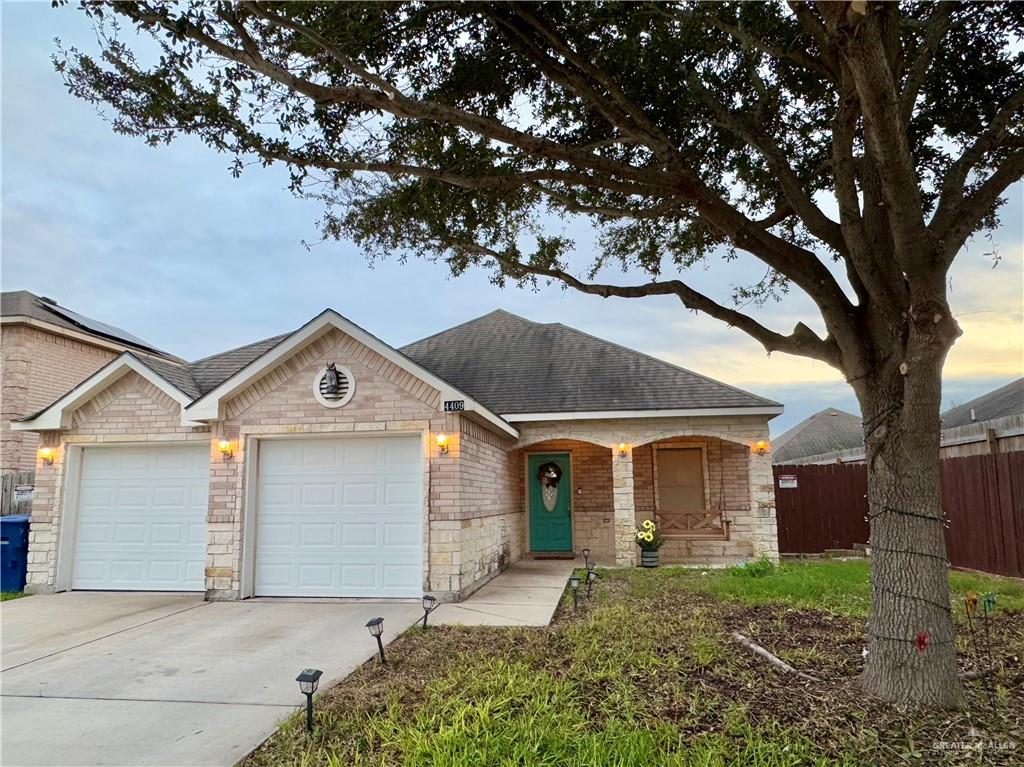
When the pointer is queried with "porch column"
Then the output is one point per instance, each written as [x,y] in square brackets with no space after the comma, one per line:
[762,505]
[622,503]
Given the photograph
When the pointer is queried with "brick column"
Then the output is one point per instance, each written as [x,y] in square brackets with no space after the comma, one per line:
[762,506]
[622,504]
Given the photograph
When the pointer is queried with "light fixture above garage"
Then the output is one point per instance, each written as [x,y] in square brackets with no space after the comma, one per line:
[46,455]
[442,443]
[226,449]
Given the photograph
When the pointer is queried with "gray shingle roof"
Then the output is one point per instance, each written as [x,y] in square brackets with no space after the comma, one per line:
[513,365]
[1001,402]
[209,372]
[824,432]
[22,303]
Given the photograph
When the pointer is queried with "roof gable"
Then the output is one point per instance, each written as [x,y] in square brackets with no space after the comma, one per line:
[516,366]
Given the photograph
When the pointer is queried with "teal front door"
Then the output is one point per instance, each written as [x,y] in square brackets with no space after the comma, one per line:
[550,499]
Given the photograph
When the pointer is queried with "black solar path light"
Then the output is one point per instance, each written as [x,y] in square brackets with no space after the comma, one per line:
[591,577]
[586,558]
[429,605]
[308,681]
[574,586]
[376,627]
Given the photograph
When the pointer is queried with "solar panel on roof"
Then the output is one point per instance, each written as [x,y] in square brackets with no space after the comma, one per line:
[97,327]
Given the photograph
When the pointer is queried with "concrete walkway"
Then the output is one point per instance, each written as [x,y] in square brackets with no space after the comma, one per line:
[524,595]
[106,678]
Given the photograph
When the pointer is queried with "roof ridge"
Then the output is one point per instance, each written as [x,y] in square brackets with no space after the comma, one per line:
[666,363]
[463,324]
[281,336]
[794,431]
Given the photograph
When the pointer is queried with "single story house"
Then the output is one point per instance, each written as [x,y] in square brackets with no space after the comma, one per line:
[326,463]
[827,431]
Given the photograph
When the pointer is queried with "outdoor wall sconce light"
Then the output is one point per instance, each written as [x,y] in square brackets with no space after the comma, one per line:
[308,681]
[376,627]
[46,455]
[623,449]
[761,447]
[429,605]
[442,443]
[574,586]
[226,449]
[586,558]
[591,577]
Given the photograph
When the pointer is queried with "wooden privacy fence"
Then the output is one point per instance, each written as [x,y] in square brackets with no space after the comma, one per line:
[8,502]
[982,497]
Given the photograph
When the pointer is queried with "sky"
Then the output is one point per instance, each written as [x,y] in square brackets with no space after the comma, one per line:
[164,243]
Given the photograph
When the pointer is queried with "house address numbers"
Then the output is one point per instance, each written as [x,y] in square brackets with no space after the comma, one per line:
[454,405]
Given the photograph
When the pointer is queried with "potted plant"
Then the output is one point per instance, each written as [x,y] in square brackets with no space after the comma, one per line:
[649,539]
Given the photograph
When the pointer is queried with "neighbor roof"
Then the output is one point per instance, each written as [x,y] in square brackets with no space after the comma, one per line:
[1001,402]
[516,366]
[22,303]
[824,432]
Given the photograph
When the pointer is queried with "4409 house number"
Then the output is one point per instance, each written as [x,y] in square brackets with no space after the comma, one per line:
[454,405]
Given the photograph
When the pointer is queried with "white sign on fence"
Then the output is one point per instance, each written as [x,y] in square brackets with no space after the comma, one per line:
[787,480]
[23,493]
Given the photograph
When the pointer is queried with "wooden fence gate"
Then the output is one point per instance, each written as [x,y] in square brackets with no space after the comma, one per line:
[824,506]
[9,503]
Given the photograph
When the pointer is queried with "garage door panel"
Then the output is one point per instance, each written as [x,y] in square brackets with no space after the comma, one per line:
[350,513]
[142,518]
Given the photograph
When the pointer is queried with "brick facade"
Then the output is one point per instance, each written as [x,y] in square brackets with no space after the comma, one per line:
[37,368]
[475,523]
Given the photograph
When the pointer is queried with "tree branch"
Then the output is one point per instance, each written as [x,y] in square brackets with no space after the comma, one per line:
[801,342]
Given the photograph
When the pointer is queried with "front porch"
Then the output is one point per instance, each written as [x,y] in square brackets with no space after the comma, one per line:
[707,487]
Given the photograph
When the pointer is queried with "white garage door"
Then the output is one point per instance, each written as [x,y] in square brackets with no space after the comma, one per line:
[340,517]
[142,518]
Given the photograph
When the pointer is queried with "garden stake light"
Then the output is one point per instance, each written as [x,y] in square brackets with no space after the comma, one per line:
[308,681]
[586,558]
[591,577]
[574,586]
[376,627]
[429,605]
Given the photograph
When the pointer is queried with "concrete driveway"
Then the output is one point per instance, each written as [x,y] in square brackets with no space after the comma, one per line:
[106,678]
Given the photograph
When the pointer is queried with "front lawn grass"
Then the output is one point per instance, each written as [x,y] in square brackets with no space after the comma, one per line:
[645,674]
[7,595]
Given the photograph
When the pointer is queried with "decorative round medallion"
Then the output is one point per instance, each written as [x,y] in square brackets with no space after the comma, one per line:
[334,386]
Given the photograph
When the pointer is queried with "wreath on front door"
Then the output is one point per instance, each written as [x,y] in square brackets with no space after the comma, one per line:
[549,475]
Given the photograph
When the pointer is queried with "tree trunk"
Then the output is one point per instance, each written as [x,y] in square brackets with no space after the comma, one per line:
[911,652]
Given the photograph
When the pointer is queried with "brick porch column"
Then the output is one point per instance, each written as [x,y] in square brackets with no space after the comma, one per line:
[762,506]
[624,510]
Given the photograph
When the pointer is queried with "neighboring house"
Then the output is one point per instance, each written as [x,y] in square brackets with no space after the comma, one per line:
[991,423]
[824,432]
[46,349]
[324,462]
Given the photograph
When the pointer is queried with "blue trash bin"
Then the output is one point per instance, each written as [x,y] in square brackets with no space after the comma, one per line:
[13,551]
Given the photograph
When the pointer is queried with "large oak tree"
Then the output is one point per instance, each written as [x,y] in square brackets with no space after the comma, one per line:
[850,147]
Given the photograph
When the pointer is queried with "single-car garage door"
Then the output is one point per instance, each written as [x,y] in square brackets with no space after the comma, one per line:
[142,518]
[340,517]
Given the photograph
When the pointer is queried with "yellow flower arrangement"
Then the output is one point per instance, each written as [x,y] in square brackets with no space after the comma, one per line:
[647,536]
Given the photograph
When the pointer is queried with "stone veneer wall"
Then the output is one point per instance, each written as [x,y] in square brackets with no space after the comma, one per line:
[38,368]
[130,410]
[482,529]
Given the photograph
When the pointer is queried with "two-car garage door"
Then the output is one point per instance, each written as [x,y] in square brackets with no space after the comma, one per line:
[335,517]
[340,517]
